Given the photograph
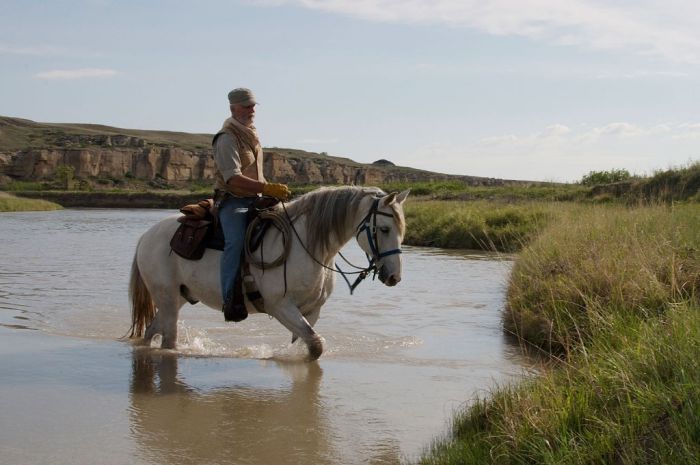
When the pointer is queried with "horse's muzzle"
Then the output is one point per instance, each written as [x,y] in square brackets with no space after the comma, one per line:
[389,279]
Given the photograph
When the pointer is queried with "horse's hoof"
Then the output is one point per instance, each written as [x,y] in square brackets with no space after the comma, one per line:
[315,348]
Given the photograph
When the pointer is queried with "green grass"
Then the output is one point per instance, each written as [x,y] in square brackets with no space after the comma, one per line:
[23,186]
[507,192]
[475,225]
[643,259]
[613,294]
[672,185]
[10,203]
[632,397]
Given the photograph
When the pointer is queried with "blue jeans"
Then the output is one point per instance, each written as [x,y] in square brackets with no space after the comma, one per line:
[233,217]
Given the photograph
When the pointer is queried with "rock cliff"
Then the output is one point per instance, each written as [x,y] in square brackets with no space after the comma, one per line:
[101,152]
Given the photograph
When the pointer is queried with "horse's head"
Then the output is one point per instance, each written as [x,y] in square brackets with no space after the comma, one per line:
[380,234]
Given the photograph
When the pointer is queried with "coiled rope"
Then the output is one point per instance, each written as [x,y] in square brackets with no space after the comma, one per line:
[278,222]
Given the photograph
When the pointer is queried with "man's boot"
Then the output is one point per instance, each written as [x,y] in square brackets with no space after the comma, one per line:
[234,306]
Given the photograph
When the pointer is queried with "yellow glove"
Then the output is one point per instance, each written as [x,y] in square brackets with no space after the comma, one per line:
[278,191]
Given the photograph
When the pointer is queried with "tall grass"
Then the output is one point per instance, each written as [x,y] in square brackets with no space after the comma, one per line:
[475,225]
[672,185]
[633,397]
[10,203]
[614,293]
[507,192]
[642,260]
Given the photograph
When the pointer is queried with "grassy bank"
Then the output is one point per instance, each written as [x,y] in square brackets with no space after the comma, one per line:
[641,260]
[615,293]
[116,199]
[507,192]
[632,397]
[485,225]
[10,203]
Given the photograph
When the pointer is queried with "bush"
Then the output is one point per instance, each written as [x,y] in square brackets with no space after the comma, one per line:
[64,176]
[594,178]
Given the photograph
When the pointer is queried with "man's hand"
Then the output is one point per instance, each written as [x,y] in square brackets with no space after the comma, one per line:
[278,191]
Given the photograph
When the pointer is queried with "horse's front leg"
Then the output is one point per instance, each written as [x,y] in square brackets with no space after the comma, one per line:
[291,318]
[311,318]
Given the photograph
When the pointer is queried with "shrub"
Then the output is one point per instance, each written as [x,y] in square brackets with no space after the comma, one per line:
[605,177]
[64,176]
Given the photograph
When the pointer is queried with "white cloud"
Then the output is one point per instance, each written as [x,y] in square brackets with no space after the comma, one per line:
[687,131]
[496,140]
[81,73]
[559,136]
[616,129]
[553,134]
[563,153]
[666,28]
[556,130]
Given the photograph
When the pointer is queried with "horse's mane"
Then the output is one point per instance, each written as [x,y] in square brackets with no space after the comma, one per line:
[329,211]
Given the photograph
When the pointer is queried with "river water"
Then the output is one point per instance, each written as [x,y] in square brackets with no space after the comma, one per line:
[398,361]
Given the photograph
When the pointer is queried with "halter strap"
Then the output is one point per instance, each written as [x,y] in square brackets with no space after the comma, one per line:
[369,226]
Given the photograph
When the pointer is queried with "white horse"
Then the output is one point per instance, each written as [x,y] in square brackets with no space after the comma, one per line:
[323,220]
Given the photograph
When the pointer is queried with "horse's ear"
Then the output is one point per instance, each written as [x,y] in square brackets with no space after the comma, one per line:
[395,197]
[389,199]
[400,198]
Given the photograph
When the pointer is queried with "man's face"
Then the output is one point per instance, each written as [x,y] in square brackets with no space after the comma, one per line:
[244,114]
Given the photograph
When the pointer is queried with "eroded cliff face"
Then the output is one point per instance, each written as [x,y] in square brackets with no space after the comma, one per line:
[146,163]
[127,156]
[172,164]
[32,151]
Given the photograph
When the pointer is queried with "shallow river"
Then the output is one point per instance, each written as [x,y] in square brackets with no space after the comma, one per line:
[398,361]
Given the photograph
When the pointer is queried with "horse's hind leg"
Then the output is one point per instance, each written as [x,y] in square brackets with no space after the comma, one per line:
[165,321]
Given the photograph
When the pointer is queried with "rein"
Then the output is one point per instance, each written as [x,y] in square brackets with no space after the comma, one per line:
[368,225]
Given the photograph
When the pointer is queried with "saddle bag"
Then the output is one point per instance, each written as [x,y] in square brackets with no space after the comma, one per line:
[189,241]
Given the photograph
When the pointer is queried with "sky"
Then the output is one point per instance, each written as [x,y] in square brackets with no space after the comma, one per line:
[544,90]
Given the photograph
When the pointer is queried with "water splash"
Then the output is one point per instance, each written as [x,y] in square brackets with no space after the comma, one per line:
[197,342]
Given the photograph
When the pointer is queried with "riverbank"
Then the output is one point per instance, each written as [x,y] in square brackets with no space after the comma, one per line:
[480,225]
[10,203]
[119,199]
[612,295]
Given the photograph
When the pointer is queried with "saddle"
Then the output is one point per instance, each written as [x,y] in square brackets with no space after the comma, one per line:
[200,230]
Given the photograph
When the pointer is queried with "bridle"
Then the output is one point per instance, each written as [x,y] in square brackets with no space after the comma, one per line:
[368,225]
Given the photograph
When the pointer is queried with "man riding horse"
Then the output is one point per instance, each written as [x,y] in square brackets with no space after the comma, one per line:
[238,157]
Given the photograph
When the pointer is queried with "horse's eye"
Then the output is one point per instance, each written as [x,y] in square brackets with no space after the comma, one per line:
[385,229]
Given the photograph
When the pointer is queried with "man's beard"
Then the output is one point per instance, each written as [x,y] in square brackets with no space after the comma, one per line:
[246,120]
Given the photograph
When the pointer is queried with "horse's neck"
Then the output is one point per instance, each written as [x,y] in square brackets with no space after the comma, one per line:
[359,214]
[337,243]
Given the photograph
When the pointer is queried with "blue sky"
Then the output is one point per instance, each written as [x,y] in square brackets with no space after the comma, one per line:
[517,89]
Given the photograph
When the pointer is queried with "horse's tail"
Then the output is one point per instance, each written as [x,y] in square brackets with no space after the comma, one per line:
[143,310]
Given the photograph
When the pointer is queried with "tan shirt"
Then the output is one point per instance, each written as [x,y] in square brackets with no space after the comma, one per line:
[237,152]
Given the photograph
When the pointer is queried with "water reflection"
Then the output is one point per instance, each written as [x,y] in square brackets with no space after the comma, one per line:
[278,417]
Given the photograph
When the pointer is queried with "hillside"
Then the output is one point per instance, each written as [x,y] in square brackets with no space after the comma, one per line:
[31,150]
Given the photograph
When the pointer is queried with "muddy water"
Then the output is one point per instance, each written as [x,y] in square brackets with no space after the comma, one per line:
[398,361]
